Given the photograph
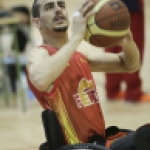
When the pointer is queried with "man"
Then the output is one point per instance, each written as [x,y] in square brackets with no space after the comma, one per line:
[133,92]
[60,77]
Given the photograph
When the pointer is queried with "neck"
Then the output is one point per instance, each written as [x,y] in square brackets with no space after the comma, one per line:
[52,39]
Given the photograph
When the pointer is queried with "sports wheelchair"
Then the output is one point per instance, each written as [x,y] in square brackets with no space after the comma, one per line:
[135,140]
[54,136]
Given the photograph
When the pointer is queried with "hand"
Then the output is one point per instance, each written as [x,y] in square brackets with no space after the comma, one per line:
[80,18]
[126,39]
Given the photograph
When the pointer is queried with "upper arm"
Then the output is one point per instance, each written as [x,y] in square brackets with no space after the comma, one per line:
[35,60]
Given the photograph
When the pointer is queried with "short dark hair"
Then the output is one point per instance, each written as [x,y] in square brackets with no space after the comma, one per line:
[35,9]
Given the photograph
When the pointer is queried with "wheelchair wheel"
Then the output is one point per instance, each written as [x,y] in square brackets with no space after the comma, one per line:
[83,146]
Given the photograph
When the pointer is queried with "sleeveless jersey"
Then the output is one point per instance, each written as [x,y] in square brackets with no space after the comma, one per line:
[74,99]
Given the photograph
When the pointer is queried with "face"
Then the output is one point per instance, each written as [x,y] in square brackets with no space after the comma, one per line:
[53,15]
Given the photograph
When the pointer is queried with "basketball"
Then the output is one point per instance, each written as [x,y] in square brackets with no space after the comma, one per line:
[109,25]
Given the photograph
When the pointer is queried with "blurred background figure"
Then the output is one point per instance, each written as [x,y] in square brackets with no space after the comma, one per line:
[22,36]
[15,41]
[133,92]
[4,36]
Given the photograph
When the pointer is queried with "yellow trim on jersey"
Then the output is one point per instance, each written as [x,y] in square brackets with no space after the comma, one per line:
[66,123]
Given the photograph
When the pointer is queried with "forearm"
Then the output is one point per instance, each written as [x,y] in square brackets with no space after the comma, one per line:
[59,61]
[126,61]
[130,56]
[52,66]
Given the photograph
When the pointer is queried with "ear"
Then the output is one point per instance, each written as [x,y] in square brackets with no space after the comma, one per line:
[36,22]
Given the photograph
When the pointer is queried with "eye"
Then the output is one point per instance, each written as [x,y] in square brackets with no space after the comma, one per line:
[48,8]
[62,5]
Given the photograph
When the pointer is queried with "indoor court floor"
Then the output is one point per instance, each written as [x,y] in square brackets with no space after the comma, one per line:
[23,130]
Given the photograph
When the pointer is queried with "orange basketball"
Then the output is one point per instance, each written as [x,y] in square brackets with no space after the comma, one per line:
[109,25]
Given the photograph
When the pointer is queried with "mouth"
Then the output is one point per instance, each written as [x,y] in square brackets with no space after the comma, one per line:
[59,18]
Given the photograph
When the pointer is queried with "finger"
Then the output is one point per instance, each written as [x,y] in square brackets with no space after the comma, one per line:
[87,8]
[82,5]
[91,13]
[129,36]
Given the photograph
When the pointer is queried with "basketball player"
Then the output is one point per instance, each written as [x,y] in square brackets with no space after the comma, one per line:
[133,92]
[60,77]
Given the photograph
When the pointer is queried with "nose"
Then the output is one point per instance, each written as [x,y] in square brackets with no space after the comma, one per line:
[58,9]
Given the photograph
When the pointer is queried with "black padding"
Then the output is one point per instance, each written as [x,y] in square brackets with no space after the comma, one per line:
[45,123]
[98,139]
[142,138]
[52,129]
[129,148]
[44,146]
[124,142]
[112,130]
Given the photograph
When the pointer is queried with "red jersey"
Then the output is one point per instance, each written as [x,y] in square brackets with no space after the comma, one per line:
[74,99]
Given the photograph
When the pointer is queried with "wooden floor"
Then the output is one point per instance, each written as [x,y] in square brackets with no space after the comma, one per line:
[23,130]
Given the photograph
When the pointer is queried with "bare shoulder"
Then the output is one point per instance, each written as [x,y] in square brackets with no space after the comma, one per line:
[36,53]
